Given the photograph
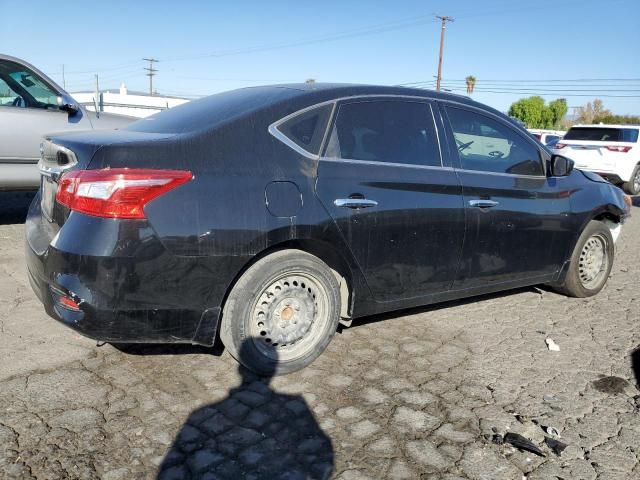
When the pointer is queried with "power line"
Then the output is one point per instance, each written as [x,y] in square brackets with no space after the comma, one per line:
[545,94]
[372,30]
[462,80]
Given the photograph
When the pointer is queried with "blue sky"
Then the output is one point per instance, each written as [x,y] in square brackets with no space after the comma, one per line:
[516,48]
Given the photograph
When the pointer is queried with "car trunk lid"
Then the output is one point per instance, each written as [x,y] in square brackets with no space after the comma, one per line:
[64,153]
[594,155]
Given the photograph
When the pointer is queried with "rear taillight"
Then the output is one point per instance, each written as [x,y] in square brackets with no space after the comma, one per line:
[617,148]
[116,192]
[558,146]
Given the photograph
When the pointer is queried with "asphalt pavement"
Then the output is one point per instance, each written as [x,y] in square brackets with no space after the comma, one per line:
[427,393]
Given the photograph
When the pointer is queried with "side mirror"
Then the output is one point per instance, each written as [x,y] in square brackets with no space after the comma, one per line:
[67,104]
[560,166]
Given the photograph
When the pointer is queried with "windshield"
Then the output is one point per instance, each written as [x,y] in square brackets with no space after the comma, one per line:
[602,134]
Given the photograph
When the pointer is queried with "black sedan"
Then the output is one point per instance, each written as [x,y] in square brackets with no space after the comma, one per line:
[267,216]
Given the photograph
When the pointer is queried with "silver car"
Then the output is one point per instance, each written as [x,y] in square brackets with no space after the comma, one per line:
[32,105]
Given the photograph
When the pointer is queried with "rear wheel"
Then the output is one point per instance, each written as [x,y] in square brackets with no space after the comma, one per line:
[591,262]
[632,187]
[282,313]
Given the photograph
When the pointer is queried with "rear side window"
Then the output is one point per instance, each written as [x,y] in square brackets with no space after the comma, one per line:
[388,131]
[307,129]
[599,134]
[487,145]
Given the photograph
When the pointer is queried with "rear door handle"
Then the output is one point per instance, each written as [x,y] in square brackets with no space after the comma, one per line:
[354,203]
[483,203]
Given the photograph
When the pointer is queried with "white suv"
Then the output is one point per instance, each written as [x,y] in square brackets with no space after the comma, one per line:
[612,151]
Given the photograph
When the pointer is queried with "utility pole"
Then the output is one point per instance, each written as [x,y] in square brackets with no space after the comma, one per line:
[444,20]
[96,99]
[152,71]
[64,82]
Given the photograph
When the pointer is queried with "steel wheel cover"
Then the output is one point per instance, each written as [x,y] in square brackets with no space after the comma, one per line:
[593,262]
[289,316]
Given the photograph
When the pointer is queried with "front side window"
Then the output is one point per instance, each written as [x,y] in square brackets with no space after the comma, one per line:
[28,89]
[487,145]
[388,131]
[9,97]
[307,129]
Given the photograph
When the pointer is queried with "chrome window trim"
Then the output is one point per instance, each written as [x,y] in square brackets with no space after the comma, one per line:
[273,128]
[375,162]
[435,127]
[501,174]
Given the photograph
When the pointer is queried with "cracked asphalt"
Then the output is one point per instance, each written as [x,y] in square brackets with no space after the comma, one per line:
[416,394]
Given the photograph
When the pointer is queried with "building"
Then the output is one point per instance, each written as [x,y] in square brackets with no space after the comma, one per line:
[123,102]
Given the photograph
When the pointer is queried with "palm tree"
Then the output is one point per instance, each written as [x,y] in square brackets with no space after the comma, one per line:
[471,84]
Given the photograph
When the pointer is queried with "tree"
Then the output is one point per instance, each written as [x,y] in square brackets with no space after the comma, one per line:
[471,84]
[529,110]
[592,111]
[310,80]
[535,114]
[558,109]
[619,119]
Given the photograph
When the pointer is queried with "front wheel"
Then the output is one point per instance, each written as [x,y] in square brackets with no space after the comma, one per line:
[282,313]
[632,187]
[591,262]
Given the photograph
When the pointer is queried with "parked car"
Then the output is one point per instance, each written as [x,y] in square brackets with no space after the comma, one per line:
[271,214]
[547,137]
[32,105]
[612,151]
[553,142]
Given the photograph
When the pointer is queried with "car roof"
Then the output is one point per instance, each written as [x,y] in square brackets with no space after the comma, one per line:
[339,90]
[277,101]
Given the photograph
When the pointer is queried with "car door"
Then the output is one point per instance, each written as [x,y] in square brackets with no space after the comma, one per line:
[397,206]
[28,110]
[517,218]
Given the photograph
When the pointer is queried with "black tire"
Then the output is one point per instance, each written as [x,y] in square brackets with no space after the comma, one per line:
[632,187]
[586,276]
[282,313]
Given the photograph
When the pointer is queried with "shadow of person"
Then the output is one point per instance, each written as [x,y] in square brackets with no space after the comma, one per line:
[635,365]
[14,206]
[254,433]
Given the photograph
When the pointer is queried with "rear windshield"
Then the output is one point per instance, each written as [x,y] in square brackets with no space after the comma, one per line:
[602,134]
[211,111]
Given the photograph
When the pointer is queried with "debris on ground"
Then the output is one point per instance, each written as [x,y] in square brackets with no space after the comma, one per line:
[552,431]
[556,446]
[522,443]
[553,346]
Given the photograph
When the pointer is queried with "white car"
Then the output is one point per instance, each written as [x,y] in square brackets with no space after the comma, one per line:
[612,151]
[546,137]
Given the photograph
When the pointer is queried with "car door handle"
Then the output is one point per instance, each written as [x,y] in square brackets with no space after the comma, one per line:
[354,203]
[483,203]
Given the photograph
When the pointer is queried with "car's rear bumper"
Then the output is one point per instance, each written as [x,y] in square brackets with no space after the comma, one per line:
[140,295]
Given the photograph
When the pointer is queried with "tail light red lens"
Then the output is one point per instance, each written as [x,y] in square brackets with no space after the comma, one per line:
[558,146]
[617,148]
[116,192]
